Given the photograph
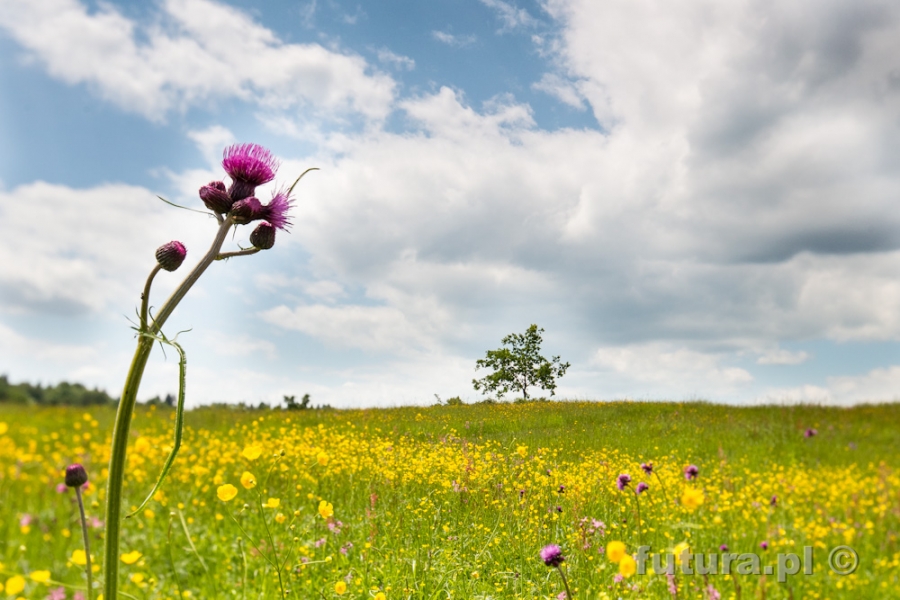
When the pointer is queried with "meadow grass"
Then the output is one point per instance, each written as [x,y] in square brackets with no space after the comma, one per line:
[457,501]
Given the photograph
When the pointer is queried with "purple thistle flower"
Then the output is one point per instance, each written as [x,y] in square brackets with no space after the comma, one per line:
[171,255]
[641,487]
[723,548]
[275,212]
[691,472]
[622,481]
[561,490]
[773,501]
[263,237]
[559,509]
[810,433]
[76,476]
[249,166]
[764,545]
[552,555]
[647,468]
[246,210]
[215,197]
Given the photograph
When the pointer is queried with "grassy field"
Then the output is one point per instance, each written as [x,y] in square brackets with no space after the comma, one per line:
[458,501]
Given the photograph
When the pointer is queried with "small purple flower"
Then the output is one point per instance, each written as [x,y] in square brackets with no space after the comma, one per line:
[619,578]
[641,487]
[673,587]
[647,468]
[215,197]
[562,595]
[26,520]
[691,472]
[552,555]
[810,433]
[249,166]
[561,490]
[559,509]
[319,542]
[335,527]
[773,501]
[61,488]
[764,545]
[622,481]
[712,593]
[723,548]
[346,548]
[76,476]
[521,494]
[78,596]
[275,212]
[246,210]
[263,237]
[57,594]
[171,255]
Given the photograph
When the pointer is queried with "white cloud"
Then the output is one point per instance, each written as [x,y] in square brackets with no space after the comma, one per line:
[211,141]
[780,356]
[511,16]
[198,51]
[402,62]
[559,88]
[459,41]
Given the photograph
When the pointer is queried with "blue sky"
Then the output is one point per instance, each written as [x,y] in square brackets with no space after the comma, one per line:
[695,201]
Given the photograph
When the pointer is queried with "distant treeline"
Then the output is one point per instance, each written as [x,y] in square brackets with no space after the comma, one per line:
[71,394]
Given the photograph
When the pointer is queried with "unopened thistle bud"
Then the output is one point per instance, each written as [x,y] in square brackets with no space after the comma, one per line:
[263,237]
[246,210]
[171,255]
[76,476]
[215,197]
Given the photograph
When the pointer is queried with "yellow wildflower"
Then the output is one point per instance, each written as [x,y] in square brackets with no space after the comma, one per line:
[326,509]
[322,458]
[40,576]
[692,498]
[615,551]
[627,566]
[79,557]
[129,558]
[226,492]
[15,585]
[340,588]
[3,427]
[380,596]
[522,451]
[248,480]
[679,551]
[280,518]
[272,503]
[252,452]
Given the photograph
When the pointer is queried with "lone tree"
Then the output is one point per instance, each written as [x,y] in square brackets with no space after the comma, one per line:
[519,365]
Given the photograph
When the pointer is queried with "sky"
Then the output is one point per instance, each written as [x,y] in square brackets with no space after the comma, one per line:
[695,200]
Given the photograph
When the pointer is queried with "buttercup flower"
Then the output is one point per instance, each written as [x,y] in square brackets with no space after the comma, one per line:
[248,480]
[322,458]
[79,558]
[129,558]
[40,576]
[252,452]
[692,498]
[14,585]
[552,555]
[76,476]
[226,492]
[615,551]
[627,566]
[326,509]
[340,588]
[249,166]
[623,480]
[171,255]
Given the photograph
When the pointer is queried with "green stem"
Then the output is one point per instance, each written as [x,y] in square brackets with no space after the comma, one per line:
[87,545]
[119,449]
[565,583]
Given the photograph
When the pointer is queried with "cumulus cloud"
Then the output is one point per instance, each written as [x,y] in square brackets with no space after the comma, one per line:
[562,90]
[510,15]
[195,52]
[397,60]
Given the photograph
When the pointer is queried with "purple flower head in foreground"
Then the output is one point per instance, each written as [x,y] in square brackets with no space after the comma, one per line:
[275,212]
[76,476]
[263,237]
[773,501]
[764,545]
[622,481]
[249,166]
[552,555]
[647,468]
[246,210]
[691,472]
[215,197]
[810,433]
[641,487]
[171,255]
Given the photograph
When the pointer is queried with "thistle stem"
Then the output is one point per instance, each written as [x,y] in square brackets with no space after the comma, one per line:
[118,454]
[565,582]
[87,545]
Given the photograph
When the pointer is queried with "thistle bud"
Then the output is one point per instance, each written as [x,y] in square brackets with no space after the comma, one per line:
[215,197]
[246,210]
[171,255]
[263,237]
[76,476]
